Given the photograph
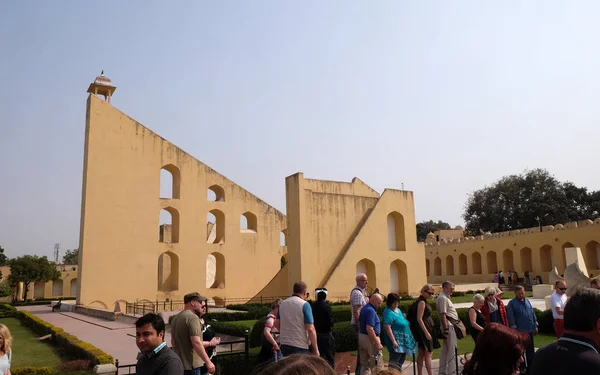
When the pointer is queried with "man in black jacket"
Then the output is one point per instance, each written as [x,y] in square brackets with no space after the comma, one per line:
[323,317]
[576,352]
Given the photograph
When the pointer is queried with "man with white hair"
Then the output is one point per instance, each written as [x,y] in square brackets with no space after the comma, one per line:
[369,341]
[358,298]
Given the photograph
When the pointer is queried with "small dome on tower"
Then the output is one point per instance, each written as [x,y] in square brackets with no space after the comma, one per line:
[103,80]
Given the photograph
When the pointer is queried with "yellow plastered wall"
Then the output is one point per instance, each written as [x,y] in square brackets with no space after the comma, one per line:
[121,204]
[66,286]
[338,228]
[538,250]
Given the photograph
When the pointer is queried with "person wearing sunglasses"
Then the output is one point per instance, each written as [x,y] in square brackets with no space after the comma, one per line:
[421,326]
[558,300]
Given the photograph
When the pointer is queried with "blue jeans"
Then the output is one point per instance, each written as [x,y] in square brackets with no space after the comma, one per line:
[396,360]
[288,350]
[196,371]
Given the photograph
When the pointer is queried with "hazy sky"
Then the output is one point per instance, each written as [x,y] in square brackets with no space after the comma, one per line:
[443,97]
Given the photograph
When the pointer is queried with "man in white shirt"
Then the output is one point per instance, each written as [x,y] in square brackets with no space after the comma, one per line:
[558,300]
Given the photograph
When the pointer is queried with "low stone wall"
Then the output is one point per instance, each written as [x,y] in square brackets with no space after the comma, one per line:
[98,313]
[542,290]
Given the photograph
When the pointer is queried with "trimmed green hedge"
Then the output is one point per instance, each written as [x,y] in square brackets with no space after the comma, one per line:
[234,328]
[71,344]
[33,371]
[236,364]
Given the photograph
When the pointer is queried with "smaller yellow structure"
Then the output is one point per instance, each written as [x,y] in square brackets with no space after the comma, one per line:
[466,259]
[66,286]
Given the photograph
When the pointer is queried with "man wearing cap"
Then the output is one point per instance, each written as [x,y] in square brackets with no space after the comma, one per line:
[186,336]
[324,321]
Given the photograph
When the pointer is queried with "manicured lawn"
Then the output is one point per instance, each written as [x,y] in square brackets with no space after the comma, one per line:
[469,297]
[467,345]
[27,349]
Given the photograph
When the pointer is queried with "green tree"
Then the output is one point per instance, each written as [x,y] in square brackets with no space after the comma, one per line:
[31,268]
[71,257]
[424,227]
[533,198]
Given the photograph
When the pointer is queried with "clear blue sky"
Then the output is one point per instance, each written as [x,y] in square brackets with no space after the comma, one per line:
[443,97]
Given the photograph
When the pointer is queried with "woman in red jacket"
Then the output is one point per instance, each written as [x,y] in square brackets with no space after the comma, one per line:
[493,308]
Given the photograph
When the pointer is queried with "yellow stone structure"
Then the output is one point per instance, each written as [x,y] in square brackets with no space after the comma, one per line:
[465,259]
[220,239]
[66,286]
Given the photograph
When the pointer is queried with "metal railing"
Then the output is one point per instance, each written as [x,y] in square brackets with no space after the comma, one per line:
[141,308]
[220,355]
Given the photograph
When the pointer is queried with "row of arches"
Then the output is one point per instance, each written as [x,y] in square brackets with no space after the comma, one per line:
[169,225]
[546,261]
[170,185]
[39,289]
[397,271]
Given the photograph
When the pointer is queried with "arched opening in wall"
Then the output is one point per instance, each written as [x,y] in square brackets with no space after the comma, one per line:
[564,254]
[99,304]
[427,269]
[476,260]
[526,260]
[39,289]
[592,252]
[57,288]
[168,229]
[395,226]
[508,263]
[546,258]
[215,226]
[437,267]
[248,222]
[283,238]
[73,287]
[168,272]
[449,265]
[492,262]
[398,277]
[215,271]
[216,194]
[462,264]
[170,180]
[367,267]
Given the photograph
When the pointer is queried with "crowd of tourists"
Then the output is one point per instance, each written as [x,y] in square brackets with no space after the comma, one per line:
[298,339]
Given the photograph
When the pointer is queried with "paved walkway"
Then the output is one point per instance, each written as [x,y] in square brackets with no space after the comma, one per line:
[113,337]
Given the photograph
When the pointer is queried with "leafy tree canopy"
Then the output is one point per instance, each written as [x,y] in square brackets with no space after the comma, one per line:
[31,268]
[424,227]
[533,198]
[71,257]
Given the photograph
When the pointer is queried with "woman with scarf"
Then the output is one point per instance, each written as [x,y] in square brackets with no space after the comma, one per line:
[493,309]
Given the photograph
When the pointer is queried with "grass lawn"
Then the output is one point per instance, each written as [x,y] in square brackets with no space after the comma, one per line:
[27,349]
[469,297]
[467,345]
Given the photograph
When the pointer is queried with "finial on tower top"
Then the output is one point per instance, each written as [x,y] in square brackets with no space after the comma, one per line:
[102,85]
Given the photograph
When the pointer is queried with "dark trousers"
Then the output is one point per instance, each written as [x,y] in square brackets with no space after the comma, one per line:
[529,352]
[355,329]
[396,360]
[287,350]
[326,344]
